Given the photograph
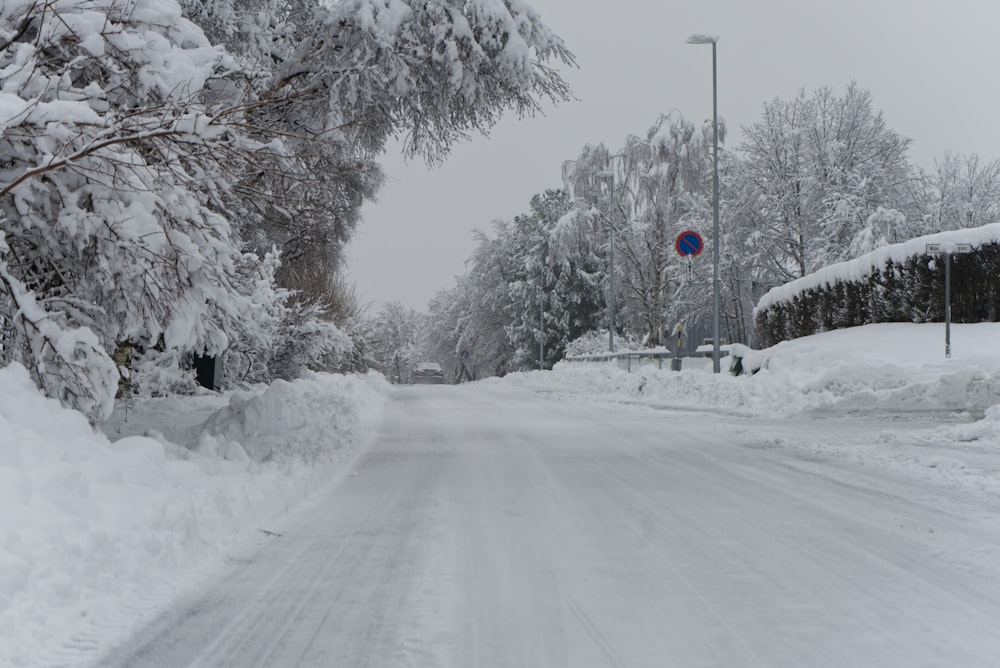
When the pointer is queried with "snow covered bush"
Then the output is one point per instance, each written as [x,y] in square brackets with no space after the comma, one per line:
[596,343]
[308,341]
[591,343]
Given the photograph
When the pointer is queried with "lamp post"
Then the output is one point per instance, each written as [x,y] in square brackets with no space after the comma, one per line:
[541,329]
[716,241]
[611,261]
[540,296]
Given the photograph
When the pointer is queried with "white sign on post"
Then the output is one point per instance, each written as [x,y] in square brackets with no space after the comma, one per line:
[947,249]
[951,249]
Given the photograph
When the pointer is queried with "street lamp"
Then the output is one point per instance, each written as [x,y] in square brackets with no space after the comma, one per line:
[540,295]
[717,241]
[541,326]
[611,261]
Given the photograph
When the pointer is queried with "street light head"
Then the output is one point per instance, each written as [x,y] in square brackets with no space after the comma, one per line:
[702,39]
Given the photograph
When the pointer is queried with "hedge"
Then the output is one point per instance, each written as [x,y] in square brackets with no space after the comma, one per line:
[907,290]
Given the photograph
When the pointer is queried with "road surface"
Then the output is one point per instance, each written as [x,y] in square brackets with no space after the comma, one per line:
[486,528]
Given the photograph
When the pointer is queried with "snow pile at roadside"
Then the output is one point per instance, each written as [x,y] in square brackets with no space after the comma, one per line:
[891,367]
[316,410]
[92,531]
[986,429]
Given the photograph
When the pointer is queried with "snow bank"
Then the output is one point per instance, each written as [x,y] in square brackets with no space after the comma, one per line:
[884,368]
[914,413]
[314,411]
[93,531]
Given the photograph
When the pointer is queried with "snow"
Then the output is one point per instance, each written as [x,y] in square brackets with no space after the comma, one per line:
[11,108]
[883,373]
[63,111]
[860,268]
[505,525]
[892,367]
[96,530]
[702,39]
[99,531]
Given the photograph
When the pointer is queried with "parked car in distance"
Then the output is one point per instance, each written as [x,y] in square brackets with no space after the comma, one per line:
[428,372]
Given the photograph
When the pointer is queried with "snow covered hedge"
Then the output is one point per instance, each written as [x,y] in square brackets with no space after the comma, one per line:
[897,283]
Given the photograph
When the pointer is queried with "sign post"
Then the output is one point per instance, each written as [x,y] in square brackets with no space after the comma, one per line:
[947,250]
[688,244]
[675,363]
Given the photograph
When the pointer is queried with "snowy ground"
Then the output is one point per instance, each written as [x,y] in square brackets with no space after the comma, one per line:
[497,526]
[98,532]
[858,466]
[882,377]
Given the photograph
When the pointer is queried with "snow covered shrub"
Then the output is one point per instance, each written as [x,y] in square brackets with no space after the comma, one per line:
[591,343]
[158,373]
[596,343]
[308,341]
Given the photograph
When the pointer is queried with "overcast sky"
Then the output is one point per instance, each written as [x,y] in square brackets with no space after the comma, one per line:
[932,66]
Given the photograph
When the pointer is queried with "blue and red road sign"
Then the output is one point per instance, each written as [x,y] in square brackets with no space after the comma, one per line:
[688,243]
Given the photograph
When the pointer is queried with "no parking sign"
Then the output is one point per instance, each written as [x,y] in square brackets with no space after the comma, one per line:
[689,243]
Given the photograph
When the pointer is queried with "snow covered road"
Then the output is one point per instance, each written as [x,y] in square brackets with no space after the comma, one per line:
[493,527]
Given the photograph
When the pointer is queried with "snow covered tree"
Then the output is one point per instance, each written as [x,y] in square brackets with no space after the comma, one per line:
[667,177]
[527,283]
[883,227]
[112,148]
[146,169]
[393,333]
[590,229]
[553,296]
[337,80]
[471,318]
[367,70]
[814,170]
[488,311]
[440,336]
[661,184]
[962,191]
